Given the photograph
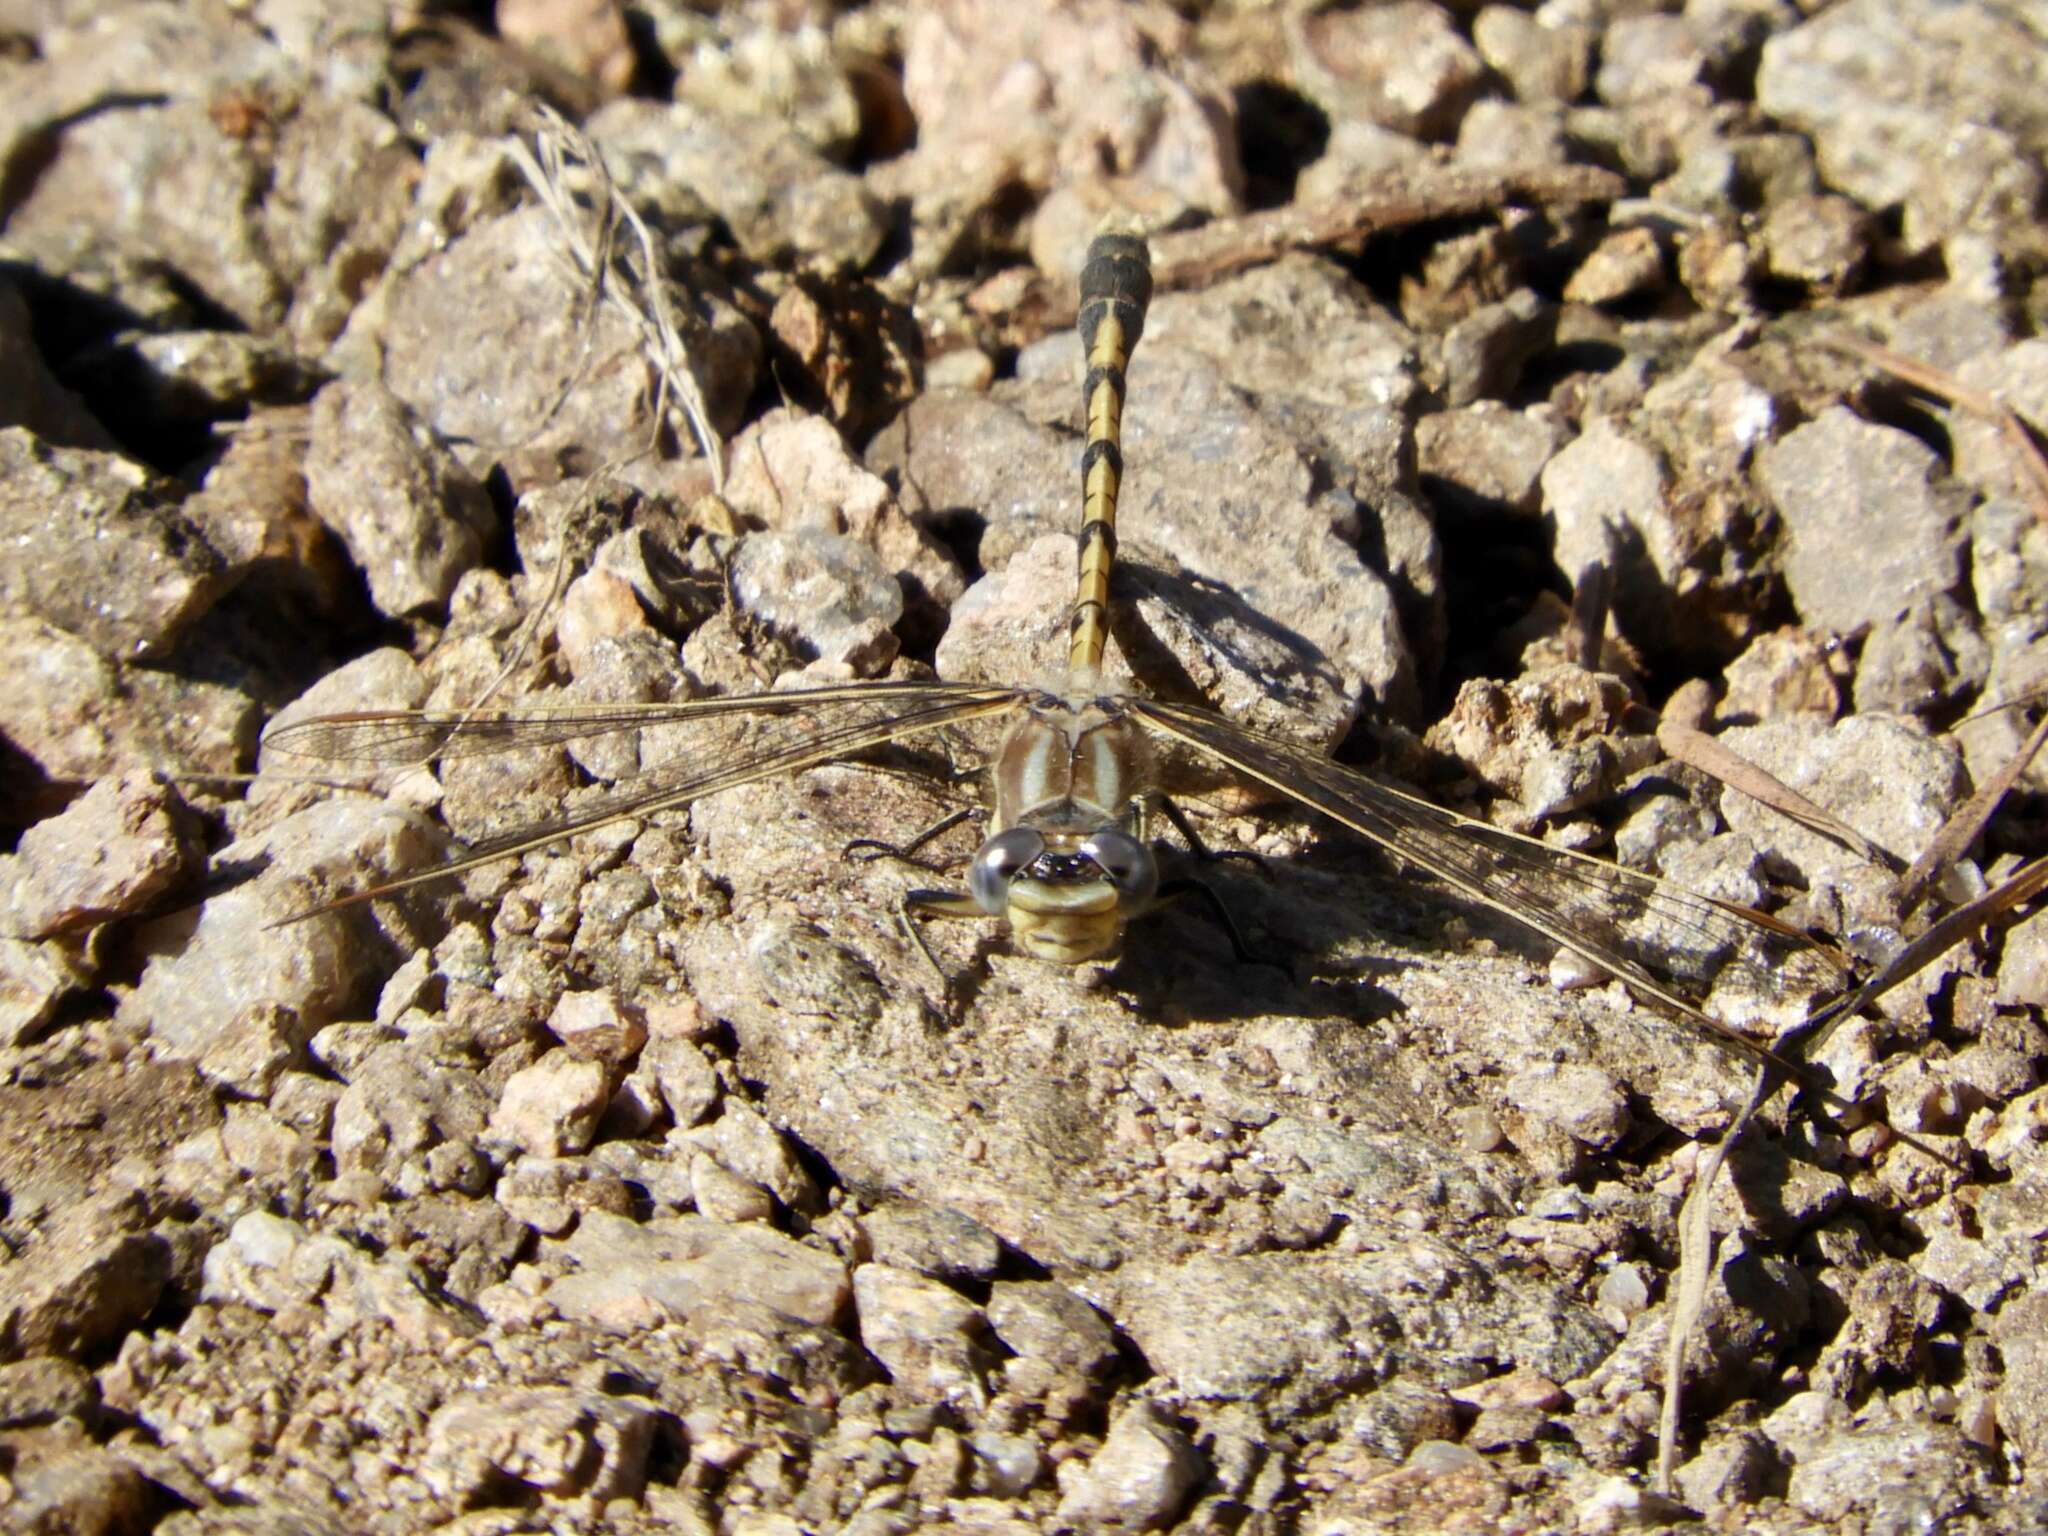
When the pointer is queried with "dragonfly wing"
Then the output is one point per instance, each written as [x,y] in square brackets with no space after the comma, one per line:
[1683,951]
[401,737]
[743,740]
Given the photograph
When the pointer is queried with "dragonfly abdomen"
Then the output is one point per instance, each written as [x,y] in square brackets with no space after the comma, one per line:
[1116,288]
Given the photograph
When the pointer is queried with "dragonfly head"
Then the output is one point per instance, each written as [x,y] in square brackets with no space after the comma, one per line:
[1067,895]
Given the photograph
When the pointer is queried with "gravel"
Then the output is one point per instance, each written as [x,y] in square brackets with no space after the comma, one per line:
[653,1180]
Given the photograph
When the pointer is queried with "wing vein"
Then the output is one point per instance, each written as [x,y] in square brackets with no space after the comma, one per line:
[872,716]
[1688,946]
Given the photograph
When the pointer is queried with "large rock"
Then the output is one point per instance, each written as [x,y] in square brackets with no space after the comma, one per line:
[1930,106]
[411,516]
[95,544]
[211,969]
[1871,523]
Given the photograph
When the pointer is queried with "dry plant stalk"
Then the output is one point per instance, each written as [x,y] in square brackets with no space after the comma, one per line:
[1195,258]
[1961,829]
[2019,437]
[1696,749]
[1697,1247]
[569,177]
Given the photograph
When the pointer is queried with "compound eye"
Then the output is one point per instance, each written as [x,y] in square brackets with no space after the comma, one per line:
[1127,862]
[1002,859]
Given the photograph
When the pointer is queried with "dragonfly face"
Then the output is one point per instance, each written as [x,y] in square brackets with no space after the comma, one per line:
[1067,893]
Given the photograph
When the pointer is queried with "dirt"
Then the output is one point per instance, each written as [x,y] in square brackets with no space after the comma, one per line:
[1514,375]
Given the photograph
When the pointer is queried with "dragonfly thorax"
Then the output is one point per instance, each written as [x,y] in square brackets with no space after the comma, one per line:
[1071,765]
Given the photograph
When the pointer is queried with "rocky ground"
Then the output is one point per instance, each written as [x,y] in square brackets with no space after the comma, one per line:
[650,1180]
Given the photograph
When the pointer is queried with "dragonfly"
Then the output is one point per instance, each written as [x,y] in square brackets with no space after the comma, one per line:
[1069,859]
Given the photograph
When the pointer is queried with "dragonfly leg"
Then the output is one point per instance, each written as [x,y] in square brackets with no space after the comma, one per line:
[934,904]
[1243,953]
[868,849]
[1200,849]
[951,776]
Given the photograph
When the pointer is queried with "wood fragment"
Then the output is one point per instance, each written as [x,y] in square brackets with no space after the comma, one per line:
[1197,257]
[1953,840]
[1683,744]
[1034,304]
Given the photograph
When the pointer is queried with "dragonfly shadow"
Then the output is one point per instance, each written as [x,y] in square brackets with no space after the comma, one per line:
[1220,620]
[225,875]
[1344,890]
[1177,964]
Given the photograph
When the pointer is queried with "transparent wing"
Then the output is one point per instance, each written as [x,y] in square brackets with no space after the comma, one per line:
[398,737]
[721,743]
[1686,952]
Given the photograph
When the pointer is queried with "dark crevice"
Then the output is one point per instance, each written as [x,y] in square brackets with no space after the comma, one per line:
[1280,133]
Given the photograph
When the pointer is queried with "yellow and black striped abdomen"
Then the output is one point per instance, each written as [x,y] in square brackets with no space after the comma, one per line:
[1116,286]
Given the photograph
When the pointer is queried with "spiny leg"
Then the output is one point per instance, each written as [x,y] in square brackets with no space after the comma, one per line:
[924,775]
[1240,950]
[867,850]
[1202,850]
[933,904]
[1205,893]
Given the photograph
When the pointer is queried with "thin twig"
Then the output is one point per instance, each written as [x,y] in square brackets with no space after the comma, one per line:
[1696,1238]
[1696,1248]
[1195,258]
[1965,922]
[1684,744]
[558,572]
[2029,688]
[361,784]
[2020,439]
[1961,829]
